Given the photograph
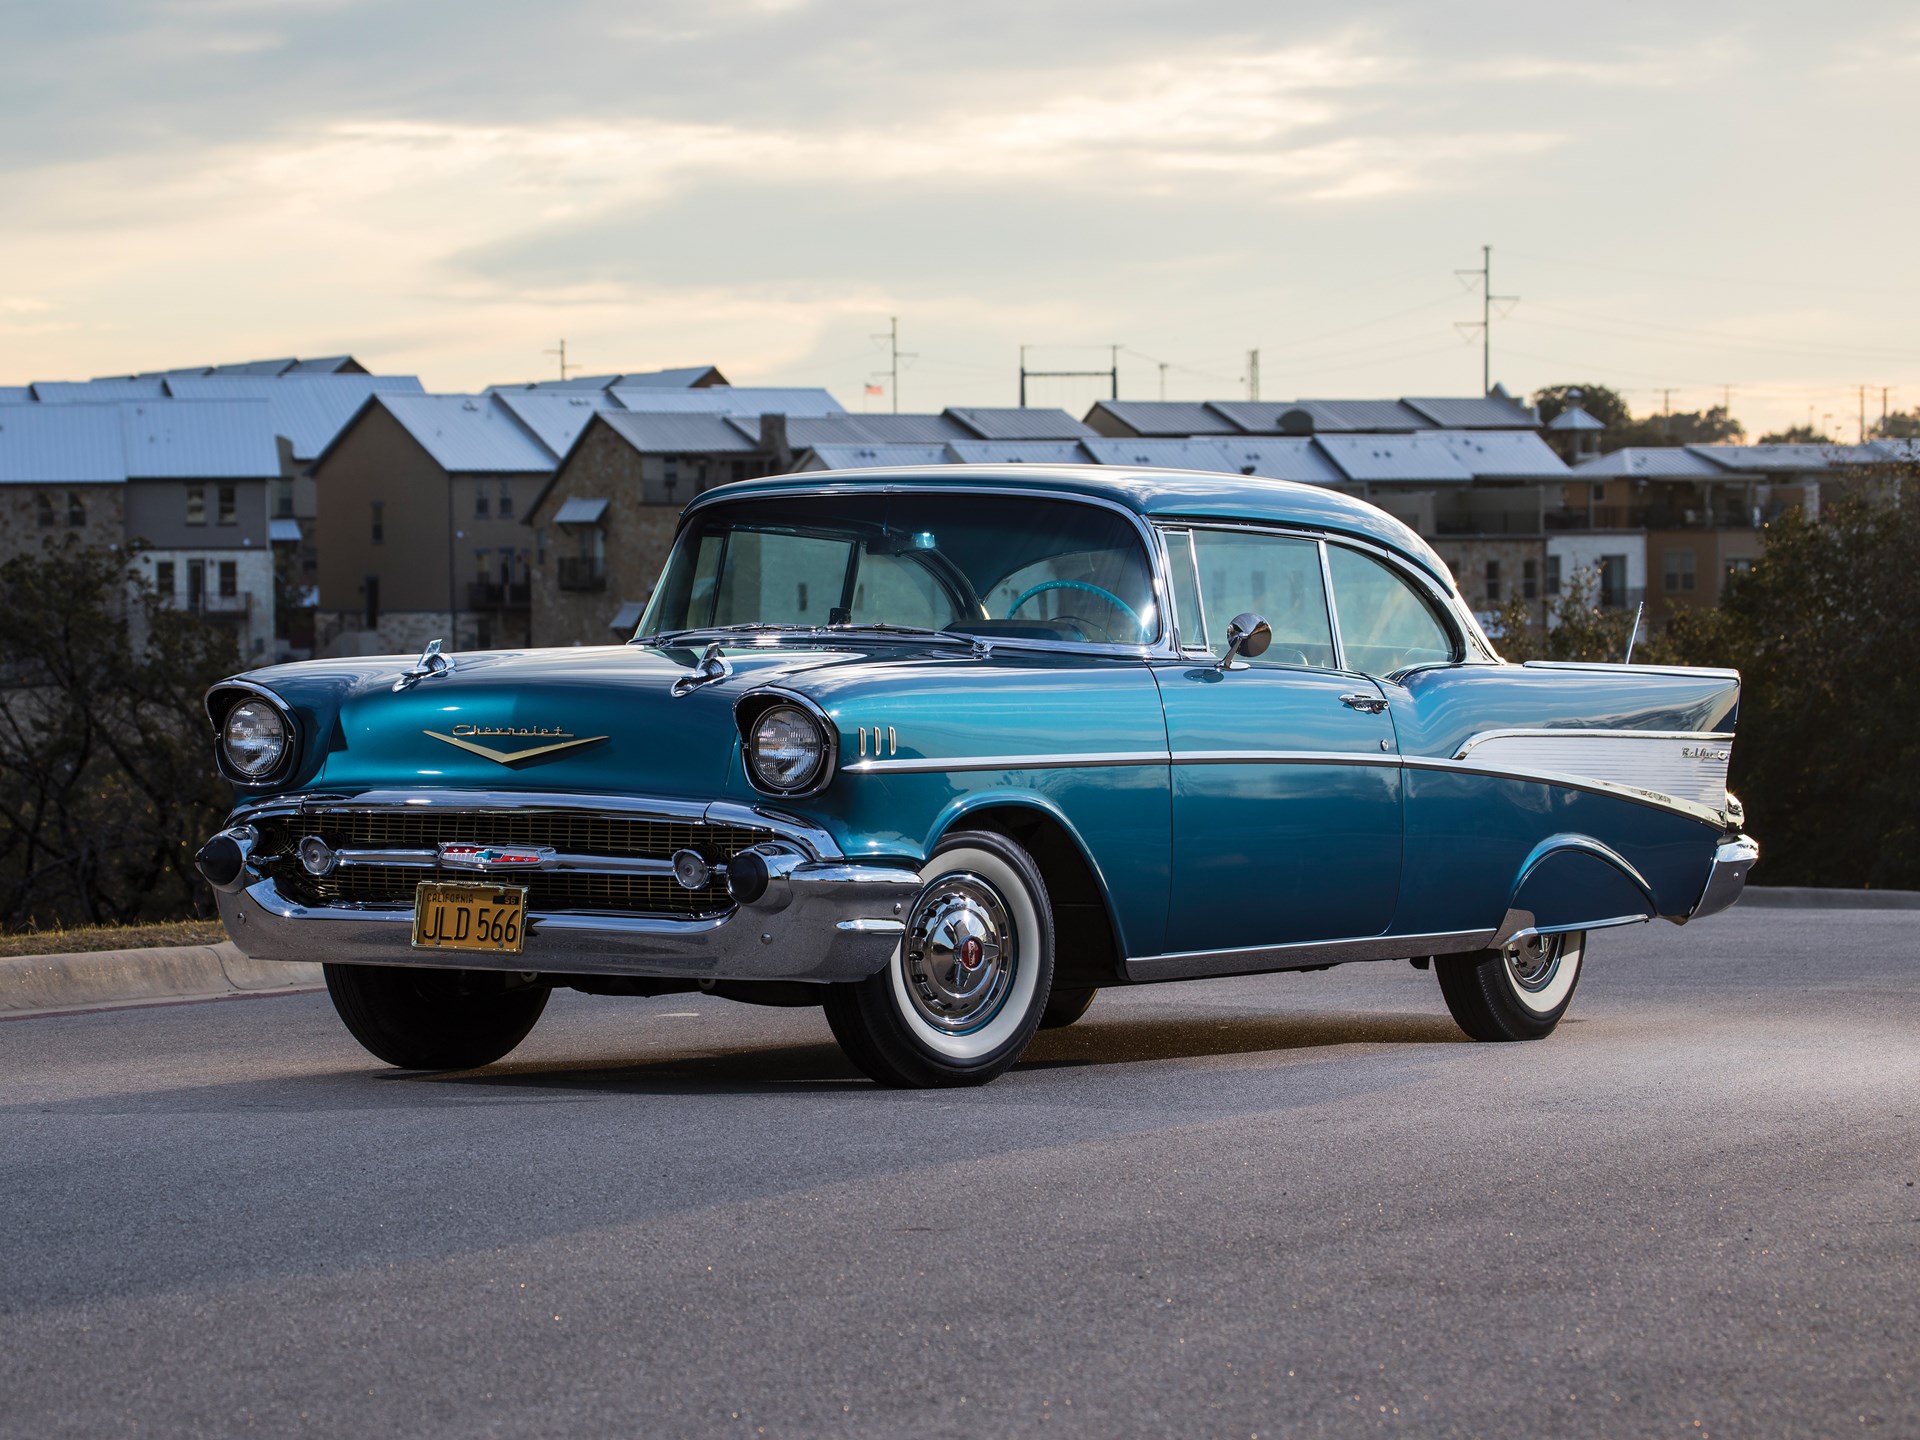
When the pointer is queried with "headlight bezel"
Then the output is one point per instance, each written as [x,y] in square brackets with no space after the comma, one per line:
[752,710]
[223,702]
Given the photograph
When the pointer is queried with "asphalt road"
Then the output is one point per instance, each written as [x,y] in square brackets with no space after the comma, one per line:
[1292,1205]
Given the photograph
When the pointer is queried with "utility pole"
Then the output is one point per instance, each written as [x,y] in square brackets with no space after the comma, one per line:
[1863,414]
[1111,375]
[562,353]
[895,356]
[1883,408]
[1666,412]
[1163,385]
[1485,324]
[1253,374]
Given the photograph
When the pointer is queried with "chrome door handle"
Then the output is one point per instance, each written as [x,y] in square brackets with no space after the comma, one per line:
[1371,704]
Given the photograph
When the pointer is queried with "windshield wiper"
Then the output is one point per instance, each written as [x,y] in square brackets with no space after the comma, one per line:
[669,637]
[918,631]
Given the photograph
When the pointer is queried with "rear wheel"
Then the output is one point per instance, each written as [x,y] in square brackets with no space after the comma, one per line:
[422,1019]
[1517,992]
[962,996]
[1066,1006]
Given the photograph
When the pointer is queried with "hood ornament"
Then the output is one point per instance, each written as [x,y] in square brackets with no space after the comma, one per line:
[712,666]
[430,663]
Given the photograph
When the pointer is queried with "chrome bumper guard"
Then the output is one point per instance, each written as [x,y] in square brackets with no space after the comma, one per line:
[813,915]
[1728,877]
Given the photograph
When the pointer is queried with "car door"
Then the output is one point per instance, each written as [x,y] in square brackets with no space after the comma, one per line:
[1286,781]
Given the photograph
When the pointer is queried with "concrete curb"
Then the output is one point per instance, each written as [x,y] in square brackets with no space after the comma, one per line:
[39,984]
[1807,897]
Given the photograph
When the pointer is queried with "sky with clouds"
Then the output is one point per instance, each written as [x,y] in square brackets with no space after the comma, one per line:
[1683,197]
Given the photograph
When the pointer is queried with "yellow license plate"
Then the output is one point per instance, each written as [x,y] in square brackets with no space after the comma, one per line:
[470,917]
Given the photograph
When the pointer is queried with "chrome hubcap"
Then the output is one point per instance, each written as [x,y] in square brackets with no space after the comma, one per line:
[959,953]
[1535,961]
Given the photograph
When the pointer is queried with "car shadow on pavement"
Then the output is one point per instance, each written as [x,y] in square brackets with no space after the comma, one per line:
[1121,1040]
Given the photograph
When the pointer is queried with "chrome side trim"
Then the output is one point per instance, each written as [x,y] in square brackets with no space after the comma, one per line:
[1098,759]
[1687,764]
[1198,964]
[1654,799]
[1728,877]
[933,765]
[1519,926]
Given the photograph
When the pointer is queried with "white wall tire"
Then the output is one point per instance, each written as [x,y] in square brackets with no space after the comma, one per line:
[1516,992]
[963,994]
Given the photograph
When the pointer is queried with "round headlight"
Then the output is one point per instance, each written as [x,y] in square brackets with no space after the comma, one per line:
[786,749]
[254,738]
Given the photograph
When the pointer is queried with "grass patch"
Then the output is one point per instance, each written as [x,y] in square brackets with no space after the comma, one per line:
[112,937]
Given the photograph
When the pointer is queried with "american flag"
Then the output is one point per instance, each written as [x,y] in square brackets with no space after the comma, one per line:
[876,389]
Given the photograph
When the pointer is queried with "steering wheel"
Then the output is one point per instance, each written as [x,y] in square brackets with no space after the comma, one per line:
[1106,595]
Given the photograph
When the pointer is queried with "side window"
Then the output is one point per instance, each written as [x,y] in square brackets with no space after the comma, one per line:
[1272,575]
[1384,624]
[1187,614]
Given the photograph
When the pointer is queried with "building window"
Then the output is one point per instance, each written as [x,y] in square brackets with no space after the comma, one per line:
[1679,568]
[506,501]
[76,509]
[283,500]
[1738,565]
[229,578]
[228,505]
[379,522]
[480,501]
[163,581]
[1530,579]
[44,506]
[1553,574]
[739,469]
[1599,493]
[196,504]
[197,584]
[1493,581]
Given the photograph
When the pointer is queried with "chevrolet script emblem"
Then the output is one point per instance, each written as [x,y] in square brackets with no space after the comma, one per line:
[553,740]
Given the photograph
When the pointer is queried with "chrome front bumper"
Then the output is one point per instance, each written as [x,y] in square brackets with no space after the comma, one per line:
[1728,877]
[816,915]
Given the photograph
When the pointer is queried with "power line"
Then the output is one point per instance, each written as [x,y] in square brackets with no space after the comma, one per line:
[1111,374]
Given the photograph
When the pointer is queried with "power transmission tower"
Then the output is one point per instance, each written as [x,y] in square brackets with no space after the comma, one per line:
[895,356]
[1112,374]
[1485,323]
[562,353]
[1666,412]
[1253,374]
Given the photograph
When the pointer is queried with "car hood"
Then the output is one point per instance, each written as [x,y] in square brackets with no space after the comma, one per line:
[586,719]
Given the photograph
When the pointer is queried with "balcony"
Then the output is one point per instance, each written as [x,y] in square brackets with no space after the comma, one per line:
[582,572]
[496,595]
[1597,517]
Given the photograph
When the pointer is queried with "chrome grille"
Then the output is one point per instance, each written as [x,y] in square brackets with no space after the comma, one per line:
[553,890]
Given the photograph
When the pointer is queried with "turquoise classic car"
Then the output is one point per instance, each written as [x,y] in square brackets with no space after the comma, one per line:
[947,751]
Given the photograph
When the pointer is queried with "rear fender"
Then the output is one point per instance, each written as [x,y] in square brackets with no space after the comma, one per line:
[1573,882]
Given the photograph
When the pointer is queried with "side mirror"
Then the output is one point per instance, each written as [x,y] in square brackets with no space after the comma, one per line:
[1248,635]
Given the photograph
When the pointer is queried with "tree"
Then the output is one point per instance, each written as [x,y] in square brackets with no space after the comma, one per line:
[1899,426]
[1796,435]
[107,784]
[1821,629]
[1578,627]
[1604,404]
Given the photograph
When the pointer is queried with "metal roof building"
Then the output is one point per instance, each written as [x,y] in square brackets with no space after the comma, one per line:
[199,440]
[308,407]
[1016,452]
[1394,459]
[61,445]
[1503,454]
[1168,419]
[654,434]
[730,400]
[872,457]
[468,434]
[1015,423]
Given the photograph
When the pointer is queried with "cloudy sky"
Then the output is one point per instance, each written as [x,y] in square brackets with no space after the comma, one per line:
[1681,196]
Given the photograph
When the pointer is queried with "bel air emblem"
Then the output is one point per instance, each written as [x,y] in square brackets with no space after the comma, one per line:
[469,856]
[550,741]
[1703,752]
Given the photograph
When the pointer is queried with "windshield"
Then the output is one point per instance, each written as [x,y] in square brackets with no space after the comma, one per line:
[988,565]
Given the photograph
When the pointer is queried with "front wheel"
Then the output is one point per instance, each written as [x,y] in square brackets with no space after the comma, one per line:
[421,1019]
[1517,992]
[962,996]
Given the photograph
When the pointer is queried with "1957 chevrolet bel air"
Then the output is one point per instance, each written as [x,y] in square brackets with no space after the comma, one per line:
[948,750]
